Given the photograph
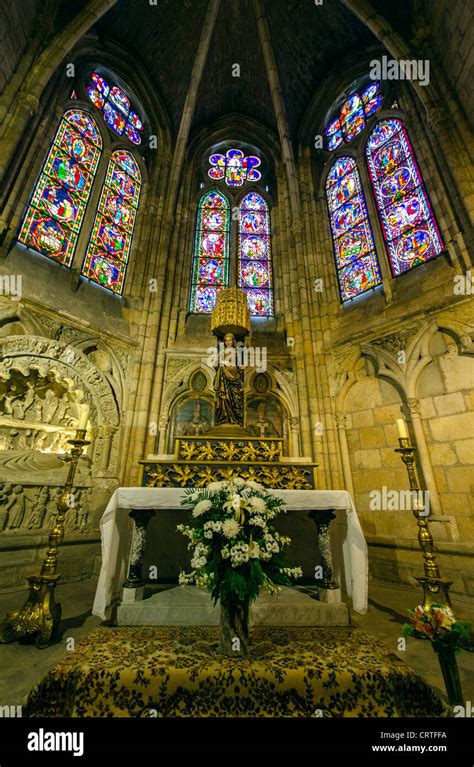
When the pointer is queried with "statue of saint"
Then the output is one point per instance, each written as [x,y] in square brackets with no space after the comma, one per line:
[229,386]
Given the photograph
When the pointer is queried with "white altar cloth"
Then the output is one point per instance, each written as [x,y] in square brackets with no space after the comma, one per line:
[346,534]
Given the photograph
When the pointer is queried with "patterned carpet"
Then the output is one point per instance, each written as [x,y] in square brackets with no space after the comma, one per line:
[174,672]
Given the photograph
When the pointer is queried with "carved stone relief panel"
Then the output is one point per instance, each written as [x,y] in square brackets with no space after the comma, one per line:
[33,507]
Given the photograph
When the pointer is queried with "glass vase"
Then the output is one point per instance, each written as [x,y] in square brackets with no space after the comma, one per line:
[450,671]
[234,626]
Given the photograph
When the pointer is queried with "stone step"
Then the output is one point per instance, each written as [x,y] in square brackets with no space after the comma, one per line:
[190,606]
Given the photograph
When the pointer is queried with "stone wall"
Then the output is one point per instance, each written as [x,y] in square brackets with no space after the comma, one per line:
[450,26]
[445,399]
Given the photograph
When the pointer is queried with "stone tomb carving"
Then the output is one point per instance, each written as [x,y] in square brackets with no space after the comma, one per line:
[33,507]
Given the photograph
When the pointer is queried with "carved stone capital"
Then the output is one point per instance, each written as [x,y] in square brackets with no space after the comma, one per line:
[414,405]
[341,420]
[436,116]
[294,423]
[30,102]
[107,431]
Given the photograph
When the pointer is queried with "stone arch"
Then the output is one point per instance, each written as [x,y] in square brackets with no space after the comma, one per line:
[69,365]
[177,388]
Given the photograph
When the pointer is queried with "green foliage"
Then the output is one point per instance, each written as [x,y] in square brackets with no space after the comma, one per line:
[237,550]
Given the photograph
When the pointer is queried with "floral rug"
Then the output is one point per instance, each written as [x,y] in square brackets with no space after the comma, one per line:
[176,672]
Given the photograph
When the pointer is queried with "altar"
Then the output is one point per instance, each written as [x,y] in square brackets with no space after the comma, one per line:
[123,536]
[331,539]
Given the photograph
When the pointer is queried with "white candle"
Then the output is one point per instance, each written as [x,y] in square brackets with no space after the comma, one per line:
[402,429]
[84,417]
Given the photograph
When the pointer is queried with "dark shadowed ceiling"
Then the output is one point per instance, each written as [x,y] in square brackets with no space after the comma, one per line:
[307,40]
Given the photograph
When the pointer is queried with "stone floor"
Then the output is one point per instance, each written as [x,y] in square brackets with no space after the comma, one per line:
[22,666]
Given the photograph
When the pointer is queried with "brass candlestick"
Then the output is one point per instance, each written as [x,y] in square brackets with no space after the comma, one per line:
[435,589]
[41,614]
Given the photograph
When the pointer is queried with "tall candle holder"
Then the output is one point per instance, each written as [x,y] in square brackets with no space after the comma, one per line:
[435,588]
[40,616]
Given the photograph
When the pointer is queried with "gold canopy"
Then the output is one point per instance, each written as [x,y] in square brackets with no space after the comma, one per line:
[231,314]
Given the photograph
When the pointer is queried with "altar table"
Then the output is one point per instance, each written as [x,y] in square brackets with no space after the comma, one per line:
[346,536]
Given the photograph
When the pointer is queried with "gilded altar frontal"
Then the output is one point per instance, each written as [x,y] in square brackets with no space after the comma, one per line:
[236,373]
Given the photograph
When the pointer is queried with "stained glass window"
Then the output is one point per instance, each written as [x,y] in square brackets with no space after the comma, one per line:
[211,252]
[352,116]
[408,222]
[115,107]
[255,266]
[356,260]
[234,167]
[109,246]
[55,213]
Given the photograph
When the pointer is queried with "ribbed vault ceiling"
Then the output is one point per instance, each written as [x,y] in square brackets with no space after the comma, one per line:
[307,39]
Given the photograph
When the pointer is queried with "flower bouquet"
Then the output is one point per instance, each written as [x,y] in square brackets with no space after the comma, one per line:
[236,551]
[447,635]
[439,625]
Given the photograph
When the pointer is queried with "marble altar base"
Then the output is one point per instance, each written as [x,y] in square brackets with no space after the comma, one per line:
[190,606]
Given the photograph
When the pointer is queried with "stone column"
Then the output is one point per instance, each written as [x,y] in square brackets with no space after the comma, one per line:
[329,591]
[413,406]
[164,421]
[295,437]
[106,434]
[134,585]
[341,422]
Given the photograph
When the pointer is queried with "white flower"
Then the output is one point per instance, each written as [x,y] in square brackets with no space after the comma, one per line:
[239,554]
[230,528]
[258,504]
[211,527]
[238,481]
[201,508]
[234,502]
[258,521]
[203,580]
[292,572]
[215,487]
[254,550]
[255,485]
[225,552]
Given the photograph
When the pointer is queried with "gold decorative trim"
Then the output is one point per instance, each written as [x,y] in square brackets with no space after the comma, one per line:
[228,450]
[183,474]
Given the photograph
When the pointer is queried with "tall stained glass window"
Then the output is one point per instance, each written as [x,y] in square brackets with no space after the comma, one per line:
[255,266]
[54,216]
[211,252]
[408,222]
[109,245]
[356,260]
